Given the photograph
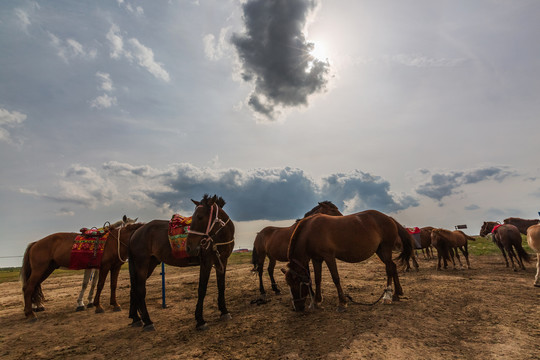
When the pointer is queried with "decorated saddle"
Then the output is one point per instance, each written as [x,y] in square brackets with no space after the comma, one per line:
[178,232]
[87,249]
[415,233]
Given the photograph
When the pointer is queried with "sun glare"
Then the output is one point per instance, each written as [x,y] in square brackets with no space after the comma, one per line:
[320,51]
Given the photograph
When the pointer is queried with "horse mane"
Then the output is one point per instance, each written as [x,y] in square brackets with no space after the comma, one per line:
[319,205]
[208,200]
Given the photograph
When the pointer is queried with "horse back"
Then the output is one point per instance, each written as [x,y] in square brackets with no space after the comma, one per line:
[508,233]
[350,238]
[54,247]
[274,241]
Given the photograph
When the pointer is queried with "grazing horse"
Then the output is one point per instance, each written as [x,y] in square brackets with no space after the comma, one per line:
[210,241]
[273,241]
[507,237]
[44,256]
[351,238]
[521,224]
[447,242]
[533,239]
[94,275]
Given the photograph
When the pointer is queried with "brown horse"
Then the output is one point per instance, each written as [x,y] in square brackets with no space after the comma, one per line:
[425,242]
[507,237]
[273,241]
[521,224]
[44,256]
[447,244]
[352,238]
[533,239]
[210,241]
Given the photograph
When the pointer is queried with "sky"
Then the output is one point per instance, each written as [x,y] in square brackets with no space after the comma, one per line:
[426,110]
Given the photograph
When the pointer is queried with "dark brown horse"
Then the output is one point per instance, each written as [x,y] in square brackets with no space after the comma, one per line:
[44,256]
[447,244]
[507,237]
[352,238]
[210,242]
[273,241]
[521,224]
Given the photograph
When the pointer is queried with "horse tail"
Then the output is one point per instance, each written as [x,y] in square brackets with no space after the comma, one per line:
[26,271]
[522,253]
[254,258]
[406,241]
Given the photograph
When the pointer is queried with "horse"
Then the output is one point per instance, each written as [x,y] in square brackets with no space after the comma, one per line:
[521,224]
[507,237]
[351,238]
[44,256]
[210,241]
[273,241]
[93,274]
[533,239]
[447,243]
[425,242]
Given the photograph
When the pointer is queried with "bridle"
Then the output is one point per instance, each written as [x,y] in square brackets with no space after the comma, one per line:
[118,240]
[207,240]
[305,280]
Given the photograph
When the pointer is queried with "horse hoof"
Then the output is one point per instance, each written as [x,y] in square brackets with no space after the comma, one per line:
[117,309]
[202,327]
[80,308]
[137,323]
[99,310]
[149,327]
[39,309]
[32,319]
[387,301]
[226,317]
[537,285]
[90,305]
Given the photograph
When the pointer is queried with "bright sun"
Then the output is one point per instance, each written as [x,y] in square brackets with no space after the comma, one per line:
[320,52]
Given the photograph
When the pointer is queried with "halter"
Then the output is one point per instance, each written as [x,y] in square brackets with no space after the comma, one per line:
[118,240]
[304,281]
[207,239]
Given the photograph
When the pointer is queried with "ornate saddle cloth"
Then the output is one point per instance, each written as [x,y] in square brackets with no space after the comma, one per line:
[178,232]
[415,233]
[87,249]
[495,228]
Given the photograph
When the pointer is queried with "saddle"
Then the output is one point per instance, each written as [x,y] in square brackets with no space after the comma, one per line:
[88,247]
[495,228]
[178,232]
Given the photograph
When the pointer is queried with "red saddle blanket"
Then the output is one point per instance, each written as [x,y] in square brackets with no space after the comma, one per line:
[178,232]
[87,249]
[414,230]
[495,228]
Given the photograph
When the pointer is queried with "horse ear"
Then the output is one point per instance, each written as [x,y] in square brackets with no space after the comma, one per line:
[220,202]
[197,203]
[124,219]
[135,219]
[284,270]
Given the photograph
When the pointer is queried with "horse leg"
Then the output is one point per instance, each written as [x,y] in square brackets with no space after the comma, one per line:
[95,278]
[415,263]
[457,256]
[332,266]
[115,271]
[391,273]
[220,277]
[32,288]
[465,251]
[511,255]
[317,270]
[86,278]
[103,272]
[260,270]
[501,247]
[537,278]
[271,266]
[204,274]
[439,259]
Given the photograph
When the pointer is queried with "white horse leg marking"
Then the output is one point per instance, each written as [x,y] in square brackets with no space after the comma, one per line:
[95,277]
[86,278]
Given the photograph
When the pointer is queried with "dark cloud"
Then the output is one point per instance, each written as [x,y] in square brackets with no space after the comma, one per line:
[275,54]
[446,184]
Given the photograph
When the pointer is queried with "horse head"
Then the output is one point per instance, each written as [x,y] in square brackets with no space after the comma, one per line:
[324,207]
[207,222]
[487,227]
[299,281]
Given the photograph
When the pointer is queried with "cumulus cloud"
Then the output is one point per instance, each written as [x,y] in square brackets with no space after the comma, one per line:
[70,49]
[137,10]
[104,101]
[8,121]
[215,48]
[275,55]
[135,52]
[270,194]
[442,185]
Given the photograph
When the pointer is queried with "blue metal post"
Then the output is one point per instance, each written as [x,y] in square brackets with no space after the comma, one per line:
[163,305]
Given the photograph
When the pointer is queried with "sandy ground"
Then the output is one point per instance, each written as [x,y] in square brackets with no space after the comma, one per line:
[488,312]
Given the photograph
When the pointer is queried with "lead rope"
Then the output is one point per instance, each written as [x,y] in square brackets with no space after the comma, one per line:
[387,295]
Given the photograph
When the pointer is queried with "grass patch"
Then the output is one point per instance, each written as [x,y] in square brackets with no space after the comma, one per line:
[486,246]
[12,273]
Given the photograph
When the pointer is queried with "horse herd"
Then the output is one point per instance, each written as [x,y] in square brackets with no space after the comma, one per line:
[322,235]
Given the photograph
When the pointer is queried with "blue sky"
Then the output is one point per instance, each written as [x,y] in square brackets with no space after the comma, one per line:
[424,110]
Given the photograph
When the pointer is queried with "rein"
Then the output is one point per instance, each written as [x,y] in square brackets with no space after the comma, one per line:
[118,241]
[208,240]
[387,294]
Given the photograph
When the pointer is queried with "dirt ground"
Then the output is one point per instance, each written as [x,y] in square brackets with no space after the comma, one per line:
[488,312]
